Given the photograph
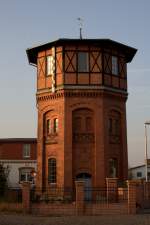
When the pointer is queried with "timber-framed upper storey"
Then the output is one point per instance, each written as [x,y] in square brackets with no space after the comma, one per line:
[32,52]
[81,62]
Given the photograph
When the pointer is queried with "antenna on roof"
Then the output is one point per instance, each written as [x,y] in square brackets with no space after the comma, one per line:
[80,26]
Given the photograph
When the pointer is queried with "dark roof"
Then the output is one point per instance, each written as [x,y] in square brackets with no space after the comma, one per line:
[135,167]
[128,51]
[10,140]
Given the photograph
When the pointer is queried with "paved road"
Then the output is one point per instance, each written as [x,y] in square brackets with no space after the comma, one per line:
[84,220]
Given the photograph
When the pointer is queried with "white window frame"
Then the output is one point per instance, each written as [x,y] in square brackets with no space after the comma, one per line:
[52,171]
[114,61]
[26,150]
[27,173]
[83,62]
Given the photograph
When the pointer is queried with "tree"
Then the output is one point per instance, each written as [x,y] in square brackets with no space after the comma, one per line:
[3,180]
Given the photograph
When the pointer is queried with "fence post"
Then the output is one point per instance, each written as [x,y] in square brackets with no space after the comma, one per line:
[131,197]
[79,197]
[26,197]
[112,189]
[147,190]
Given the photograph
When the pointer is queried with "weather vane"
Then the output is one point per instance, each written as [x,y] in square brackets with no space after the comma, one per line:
[80,26]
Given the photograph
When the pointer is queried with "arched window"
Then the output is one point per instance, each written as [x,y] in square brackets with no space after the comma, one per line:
[49,127]
[52,170]
[55,127]
[114,123]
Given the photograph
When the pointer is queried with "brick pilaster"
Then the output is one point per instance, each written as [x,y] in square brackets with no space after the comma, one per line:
[26,197]
[112,189]
[131,197]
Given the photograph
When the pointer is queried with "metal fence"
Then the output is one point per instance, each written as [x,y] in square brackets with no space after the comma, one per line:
[52,195]
[104,195]
[53,201]
[104,201]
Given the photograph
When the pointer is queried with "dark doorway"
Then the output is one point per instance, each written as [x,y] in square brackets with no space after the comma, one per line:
[86,177]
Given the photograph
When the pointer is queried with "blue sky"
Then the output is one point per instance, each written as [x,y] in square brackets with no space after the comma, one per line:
[27,23]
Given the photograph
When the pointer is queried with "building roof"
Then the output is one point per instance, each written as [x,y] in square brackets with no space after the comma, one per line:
[10,140]
[127,50]
[136,167]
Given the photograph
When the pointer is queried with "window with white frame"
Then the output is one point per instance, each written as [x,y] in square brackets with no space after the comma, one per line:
[52,174]
[25,175]
[83,62]
[26,150]
[115,65]
[49,65]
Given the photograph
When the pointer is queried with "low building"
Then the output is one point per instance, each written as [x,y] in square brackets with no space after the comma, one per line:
[18,157]
[139,172]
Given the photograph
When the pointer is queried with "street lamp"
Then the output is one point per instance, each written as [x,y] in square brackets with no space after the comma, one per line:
[33,175]
[146,154]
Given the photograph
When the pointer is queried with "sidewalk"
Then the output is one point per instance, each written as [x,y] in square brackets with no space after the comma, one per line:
[84,220]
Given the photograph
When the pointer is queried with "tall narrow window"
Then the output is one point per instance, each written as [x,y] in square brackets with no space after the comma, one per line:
[117,129]
[88,124]
[112,167]
[115,65]
[55,125]
[83,62]
[110,126]
[52,171]
[26,150]
[77,124]
[49,127]
[49,65]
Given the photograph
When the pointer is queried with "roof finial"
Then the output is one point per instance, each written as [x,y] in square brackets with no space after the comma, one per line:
[80,26]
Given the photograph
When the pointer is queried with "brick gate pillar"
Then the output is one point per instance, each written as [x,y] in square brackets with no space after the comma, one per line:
[26,197]
[147,190]
[131,197]
[79,197]
[112,189]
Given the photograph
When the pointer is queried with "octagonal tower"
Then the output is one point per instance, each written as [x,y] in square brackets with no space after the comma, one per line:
[81,103]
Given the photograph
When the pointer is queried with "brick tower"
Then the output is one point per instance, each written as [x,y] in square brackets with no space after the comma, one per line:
[81,103]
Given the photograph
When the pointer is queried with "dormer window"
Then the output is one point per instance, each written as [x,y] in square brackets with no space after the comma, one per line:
[115,65]
[83,62]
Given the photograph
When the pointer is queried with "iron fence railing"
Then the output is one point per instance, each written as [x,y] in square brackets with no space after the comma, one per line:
[105,195]
[51,195]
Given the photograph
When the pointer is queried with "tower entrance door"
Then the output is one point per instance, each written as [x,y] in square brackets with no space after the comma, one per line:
[86,177]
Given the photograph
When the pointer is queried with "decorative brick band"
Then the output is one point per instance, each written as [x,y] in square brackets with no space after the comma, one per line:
[82,93]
